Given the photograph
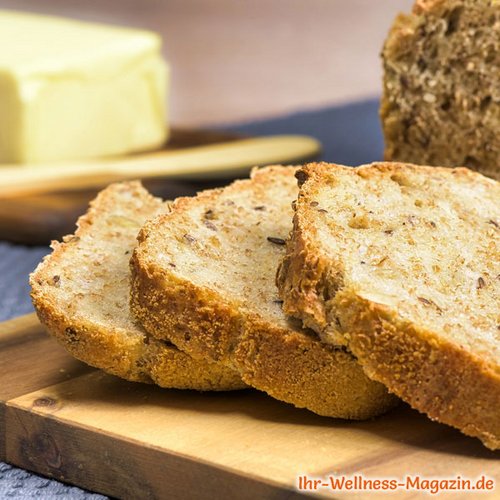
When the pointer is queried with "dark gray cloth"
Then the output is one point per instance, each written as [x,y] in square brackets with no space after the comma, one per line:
[16,262]
[350,134]
[18,483]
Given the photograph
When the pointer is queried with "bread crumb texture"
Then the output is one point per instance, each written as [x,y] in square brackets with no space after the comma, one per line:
[204,278]
[401,264]
[81,294]
[441,96]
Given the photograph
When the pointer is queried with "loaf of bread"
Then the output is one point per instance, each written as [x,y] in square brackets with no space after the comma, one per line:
[441,96]
[400,264]
[81,294]
[203,277]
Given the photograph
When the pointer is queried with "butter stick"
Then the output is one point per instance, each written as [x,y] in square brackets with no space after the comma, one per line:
[72,90]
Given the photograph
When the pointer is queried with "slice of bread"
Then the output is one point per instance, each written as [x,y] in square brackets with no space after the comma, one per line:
[81,294]
[401,264]
[203,277]
[441,97]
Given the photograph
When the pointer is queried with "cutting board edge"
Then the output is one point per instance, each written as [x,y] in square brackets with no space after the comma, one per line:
[49,436]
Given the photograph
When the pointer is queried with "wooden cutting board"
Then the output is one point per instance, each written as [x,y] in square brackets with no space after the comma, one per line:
[64,420]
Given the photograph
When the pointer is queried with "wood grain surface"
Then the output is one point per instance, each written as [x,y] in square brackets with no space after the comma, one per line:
[128,440]
[30,360]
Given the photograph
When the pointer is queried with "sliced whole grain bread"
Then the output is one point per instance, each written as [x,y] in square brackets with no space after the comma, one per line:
[441,96]
[203,277]
[401,264]
[81,294]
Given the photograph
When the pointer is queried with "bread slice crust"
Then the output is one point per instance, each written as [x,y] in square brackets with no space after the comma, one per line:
[90,269]
[439,377]
[209,322]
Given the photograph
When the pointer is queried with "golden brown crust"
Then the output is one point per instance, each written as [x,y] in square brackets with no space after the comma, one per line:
[435,376]
[290,365]
[287,365]
[98,347]
[115,346]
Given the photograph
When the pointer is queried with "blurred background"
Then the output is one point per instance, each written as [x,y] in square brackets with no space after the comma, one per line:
[241,60]
[240,68]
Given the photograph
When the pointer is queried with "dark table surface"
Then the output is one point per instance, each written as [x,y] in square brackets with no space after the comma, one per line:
[350,135]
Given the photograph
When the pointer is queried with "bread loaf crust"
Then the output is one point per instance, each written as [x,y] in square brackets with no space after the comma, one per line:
[441,99]
[435,376]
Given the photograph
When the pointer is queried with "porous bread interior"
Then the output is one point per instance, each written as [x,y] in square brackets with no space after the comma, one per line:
[441,97]
[92,281]
[228,247]
[203,277]
[81,293]
[423,241]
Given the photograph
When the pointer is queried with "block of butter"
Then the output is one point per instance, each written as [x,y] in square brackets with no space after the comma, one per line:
[72,90]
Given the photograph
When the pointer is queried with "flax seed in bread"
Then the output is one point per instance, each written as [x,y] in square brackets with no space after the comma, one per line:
[203,277]
[81,294]
[441,98]
[401,264]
